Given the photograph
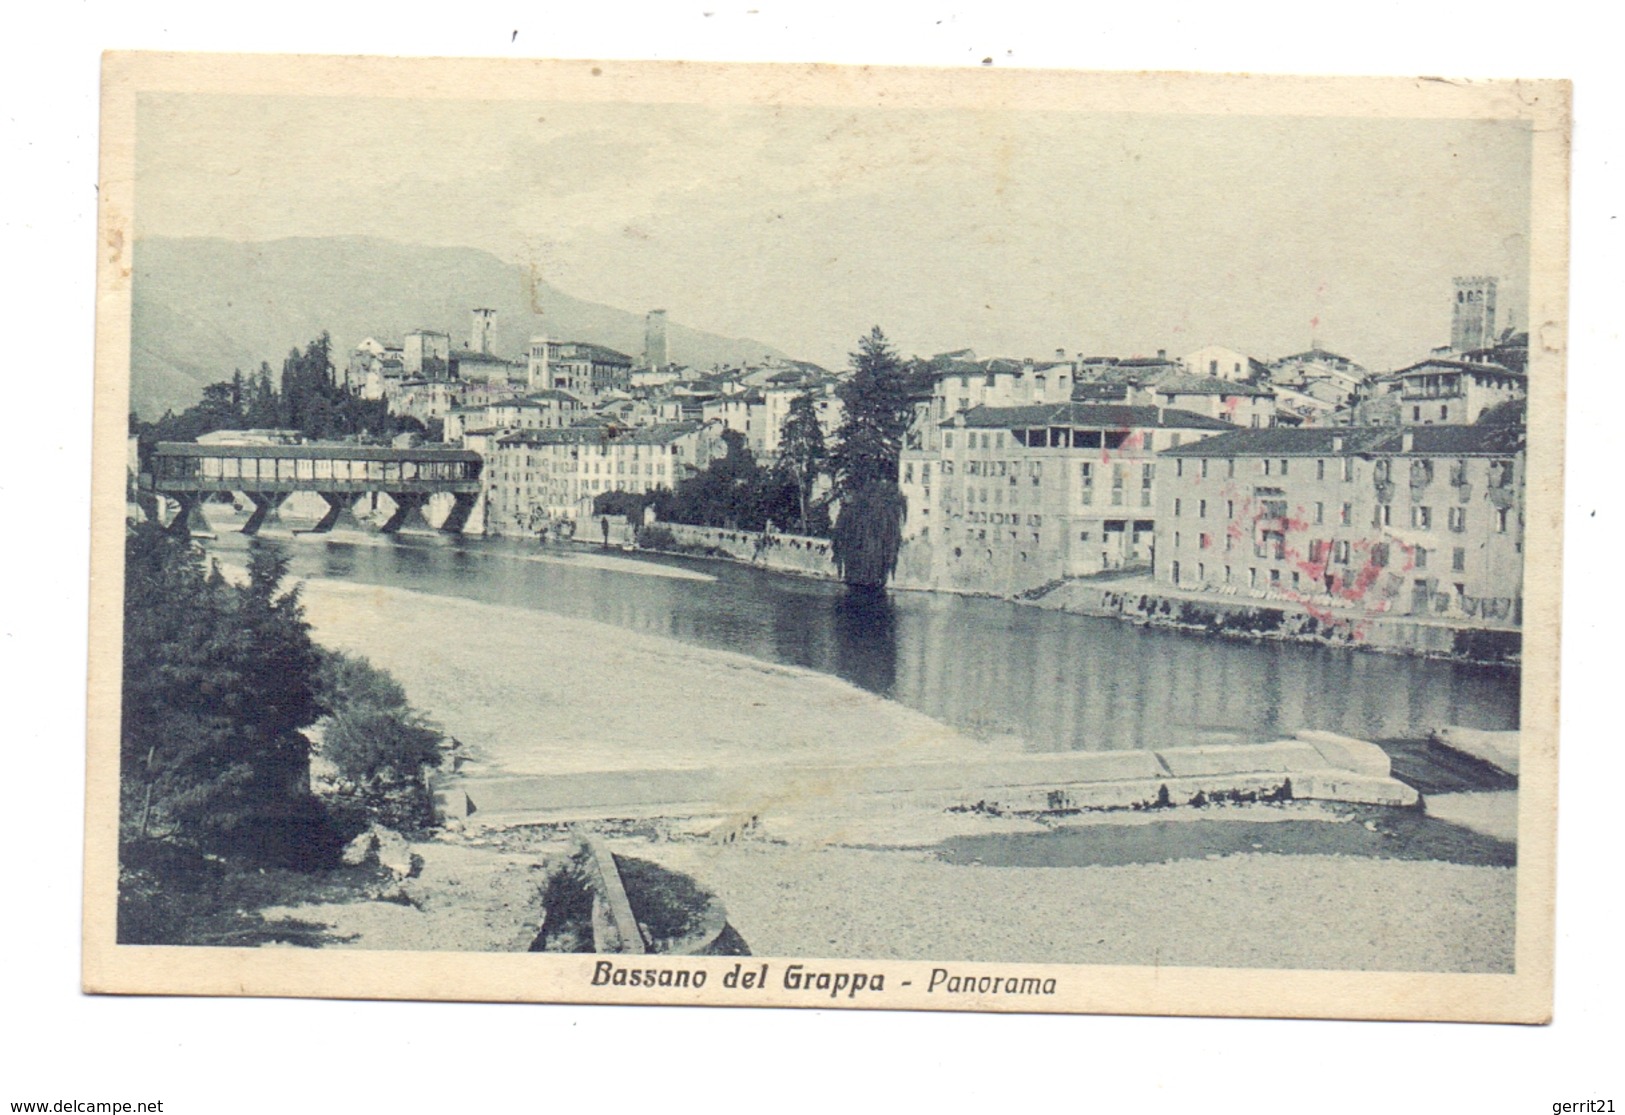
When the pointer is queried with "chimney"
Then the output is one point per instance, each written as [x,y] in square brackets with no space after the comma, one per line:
[1060,355]
[1337,443]
[1162,354]
[1407,440]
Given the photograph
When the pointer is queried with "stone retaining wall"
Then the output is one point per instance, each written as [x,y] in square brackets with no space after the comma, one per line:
[783,553]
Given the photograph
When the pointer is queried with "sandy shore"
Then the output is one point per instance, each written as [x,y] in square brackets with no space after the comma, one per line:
[538,694]
[545,694]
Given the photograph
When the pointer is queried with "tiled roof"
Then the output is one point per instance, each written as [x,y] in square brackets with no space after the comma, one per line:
[1100,416]
[1208,385]
[1359,441]
[1456,365]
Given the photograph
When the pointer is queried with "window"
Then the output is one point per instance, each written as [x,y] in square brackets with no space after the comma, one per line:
[1204,468]
[1175,570]
[1229,509]
[1348,468]
[1205,541]
[1320,513]
[1444,413]
[1500,520]
[1177,505]
[1201,509]
[1422,518]
[1252,578]
[1345,515]
[947,441]
[1458,519]
[1176,540]
[1320,470]
[1458,560]
[1421,558]
[1379,555]
[1385,514]
[1230,468]
[1295,581]
[1284,463]
[1227,574]
[1275,578]
[1265,465]
[1201,572]
[1179,467]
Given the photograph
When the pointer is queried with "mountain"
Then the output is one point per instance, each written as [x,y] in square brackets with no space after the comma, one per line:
[204,307]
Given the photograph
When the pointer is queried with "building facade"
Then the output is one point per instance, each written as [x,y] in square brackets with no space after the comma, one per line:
[534,477]
[1015,497]
[1441,392]
[1412,521]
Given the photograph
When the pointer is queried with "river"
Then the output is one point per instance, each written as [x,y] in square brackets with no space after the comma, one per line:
[988,668]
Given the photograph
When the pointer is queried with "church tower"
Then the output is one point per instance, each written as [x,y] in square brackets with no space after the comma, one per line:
[1472,317]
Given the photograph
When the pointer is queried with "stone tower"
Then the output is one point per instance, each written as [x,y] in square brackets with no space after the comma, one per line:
[479,336]
[1472,317]
[655,352]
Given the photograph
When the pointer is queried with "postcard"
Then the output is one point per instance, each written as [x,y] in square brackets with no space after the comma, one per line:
[818,536]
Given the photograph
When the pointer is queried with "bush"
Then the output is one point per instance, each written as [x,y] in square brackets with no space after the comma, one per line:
[376,741]
[656,537]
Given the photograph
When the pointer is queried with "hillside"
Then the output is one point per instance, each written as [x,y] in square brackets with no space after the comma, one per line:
[203,307]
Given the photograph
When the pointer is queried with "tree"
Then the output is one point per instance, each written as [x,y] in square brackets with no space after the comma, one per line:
[802,454]
[877,414]
[218,681]
[868,532]
[376,740]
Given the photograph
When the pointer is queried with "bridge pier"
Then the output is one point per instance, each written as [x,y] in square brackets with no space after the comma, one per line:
[182,524]
[407,504]
[338,503]
[265,506]
[462,506]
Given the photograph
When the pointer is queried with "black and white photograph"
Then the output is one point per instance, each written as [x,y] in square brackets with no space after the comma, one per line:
[618,532]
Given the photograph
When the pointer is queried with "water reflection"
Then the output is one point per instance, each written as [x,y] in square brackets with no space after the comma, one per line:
[989,668]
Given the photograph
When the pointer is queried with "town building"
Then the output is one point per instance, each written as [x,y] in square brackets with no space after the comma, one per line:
[534,477]
[1414,521]
[1004,499]
[1219,362]
[1439,391]
[1240,404]
[585,370]
[426,354]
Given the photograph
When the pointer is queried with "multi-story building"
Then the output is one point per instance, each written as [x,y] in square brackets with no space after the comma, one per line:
[1015,497]
[1442,392]
[1222,363]
[1422,521]
[585,370]
[536,476]
[1239,404]
[426,354]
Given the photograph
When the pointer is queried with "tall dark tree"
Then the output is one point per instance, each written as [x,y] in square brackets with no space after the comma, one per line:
[218,680]
[802,454]
[868,532]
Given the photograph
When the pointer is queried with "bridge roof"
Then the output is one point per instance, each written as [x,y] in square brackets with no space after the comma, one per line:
[318,452]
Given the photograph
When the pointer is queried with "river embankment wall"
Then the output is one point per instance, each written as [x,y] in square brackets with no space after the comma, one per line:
[1140,600]
[782,553]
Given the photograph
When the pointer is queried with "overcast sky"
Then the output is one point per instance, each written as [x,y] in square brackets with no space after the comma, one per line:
[1013,233]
